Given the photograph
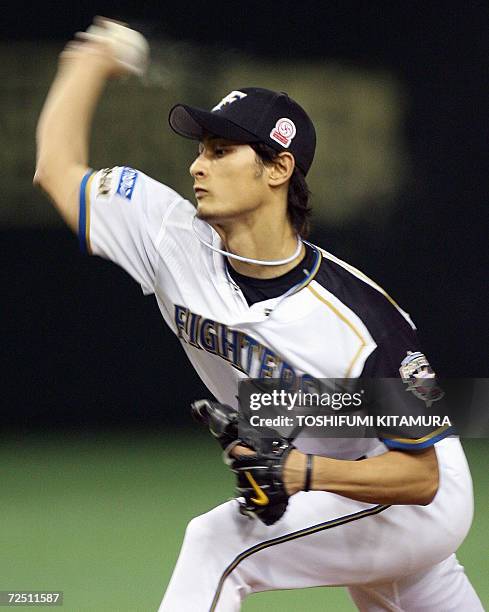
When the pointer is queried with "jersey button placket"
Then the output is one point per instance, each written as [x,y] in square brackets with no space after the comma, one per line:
[238,294]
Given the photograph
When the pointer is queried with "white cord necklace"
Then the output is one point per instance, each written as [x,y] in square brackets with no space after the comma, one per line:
[276,262]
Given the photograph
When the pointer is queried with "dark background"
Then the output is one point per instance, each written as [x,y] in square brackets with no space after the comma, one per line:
[83,348]
[101,465]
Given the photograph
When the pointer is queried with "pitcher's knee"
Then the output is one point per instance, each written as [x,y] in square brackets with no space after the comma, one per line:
[196,531]
[202,531]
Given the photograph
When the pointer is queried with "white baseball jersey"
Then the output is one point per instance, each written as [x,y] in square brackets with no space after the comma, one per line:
[336,323]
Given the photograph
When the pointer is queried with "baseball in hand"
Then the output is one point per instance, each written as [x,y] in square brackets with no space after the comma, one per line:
[130,48]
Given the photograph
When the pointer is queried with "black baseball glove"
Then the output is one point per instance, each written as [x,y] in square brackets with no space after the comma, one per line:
[260,487]
[221,419]
[260,479]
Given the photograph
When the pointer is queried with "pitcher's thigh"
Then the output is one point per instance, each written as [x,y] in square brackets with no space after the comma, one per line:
[443,587]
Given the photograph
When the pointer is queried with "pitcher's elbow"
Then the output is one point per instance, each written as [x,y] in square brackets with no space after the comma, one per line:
[430,488]
[40,178]
[45,180]
[431,492]
[37,179]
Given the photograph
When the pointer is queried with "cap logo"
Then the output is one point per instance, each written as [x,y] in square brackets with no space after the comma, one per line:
[229,99]
[283,132]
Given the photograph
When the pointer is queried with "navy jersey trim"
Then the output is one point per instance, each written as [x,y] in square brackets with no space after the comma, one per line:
[377,311]
[342,520]
[312,274]
[346,320]
[84,213]
[391,331]
[395,443]
[258,290]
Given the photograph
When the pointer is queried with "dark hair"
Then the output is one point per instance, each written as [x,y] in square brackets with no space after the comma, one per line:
[298,207]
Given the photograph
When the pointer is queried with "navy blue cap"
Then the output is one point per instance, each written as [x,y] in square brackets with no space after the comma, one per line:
[252,114]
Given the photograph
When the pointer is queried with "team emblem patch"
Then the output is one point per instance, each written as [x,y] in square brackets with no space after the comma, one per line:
[229,99]
[105,182]
[283,132]
[127,182]
[420,379]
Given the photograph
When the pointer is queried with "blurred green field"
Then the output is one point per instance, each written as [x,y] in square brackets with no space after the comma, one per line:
[101,517]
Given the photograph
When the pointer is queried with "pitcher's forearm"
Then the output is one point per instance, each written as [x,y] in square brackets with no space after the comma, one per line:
[395,477]
[65,122]
[106,50]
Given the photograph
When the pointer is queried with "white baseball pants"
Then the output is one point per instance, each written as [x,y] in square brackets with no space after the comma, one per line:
[398,558]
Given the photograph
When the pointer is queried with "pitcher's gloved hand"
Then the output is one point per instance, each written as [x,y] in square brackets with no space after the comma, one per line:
[260,485]
[221,419]
[260,479]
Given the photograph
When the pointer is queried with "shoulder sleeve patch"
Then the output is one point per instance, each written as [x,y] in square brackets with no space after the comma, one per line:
[127,182]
